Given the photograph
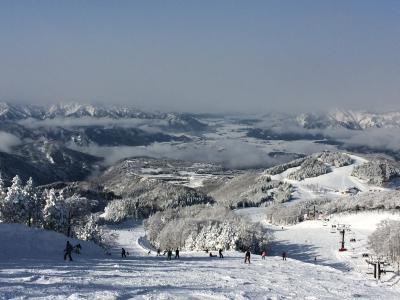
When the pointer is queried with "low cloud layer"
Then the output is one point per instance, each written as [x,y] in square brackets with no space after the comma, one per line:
[8,141]
[231,154]
[380,139]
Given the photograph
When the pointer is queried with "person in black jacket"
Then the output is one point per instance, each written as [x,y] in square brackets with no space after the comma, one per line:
[169,254]
[220,253]
[176,253]
[123,253]
[67,251]
[247,257]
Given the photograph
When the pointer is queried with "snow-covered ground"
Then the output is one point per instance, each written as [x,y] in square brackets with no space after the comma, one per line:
[194,276]
[318,242]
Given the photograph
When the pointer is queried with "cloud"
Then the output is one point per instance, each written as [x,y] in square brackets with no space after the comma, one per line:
[229,153]
[8,141]
[379,139]
[148,125]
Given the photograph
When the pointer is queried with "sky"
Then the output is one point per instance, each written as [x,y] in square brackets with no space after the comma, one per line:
[203,56]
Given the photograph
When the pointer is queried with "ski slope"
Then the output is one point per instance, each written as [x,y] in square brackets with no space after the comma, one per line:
[317,242]
[332,184]
[194,276]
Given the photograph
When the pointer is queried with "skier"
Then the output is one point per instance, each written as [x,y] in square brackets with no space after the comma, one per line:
[158,252]
[169,254]
[176,253]
[123,253]
[263,254]
[284,255]
[220,253]
[247,257]
[67,251]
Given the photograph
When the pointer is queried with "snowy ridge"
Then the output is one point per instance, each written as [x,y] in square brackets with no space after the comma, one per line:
[16,112]
[356,120]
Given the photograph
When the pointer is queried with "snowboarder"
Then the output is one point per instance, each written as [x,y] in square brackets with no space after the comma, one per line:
[169,254]
[247,257]
[263,254]
[220,253]
[148,253]
[211,255]
[67,251]
[176,253]
[123,253]
[158,252]
[284,255]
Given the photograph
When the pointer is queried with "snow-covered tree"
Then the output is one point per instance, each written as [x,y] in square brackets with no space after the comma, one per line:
[64,214]
[202,227]
[76,207]
[385,240]
[33,203]
[14,206]
[55,214]
[378,171]
[2,198]
[90,231]
[2,187]
[311,167]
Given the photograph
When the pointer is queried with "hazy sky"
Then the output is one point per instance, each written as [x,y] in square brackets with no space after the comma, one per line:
[203,55]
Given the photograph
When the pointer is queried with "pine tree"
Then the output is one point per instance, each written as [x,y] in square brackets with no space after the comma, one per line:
[2,197]
[33,203]
[2,187]
[14,205]
[90,231]
[54,212]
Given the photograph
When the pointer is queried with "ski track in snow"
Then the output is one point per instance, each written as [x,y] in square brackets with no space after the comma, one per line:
[194,276]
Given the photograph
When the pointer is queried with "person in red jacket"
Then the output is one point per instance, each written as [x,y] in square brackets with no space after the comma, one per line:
[263,254]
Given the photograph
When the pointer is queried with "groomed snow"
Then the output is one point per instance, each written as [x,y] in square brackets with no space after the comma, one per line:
[194,276]
[317,239]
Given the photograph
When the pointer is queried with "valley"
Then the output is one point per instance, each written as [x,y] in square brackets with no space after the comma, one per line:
[119,177]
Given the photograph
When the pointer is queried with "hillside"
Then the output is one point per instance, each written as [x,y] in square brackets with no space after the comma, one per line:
[21,242]
[335,180]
